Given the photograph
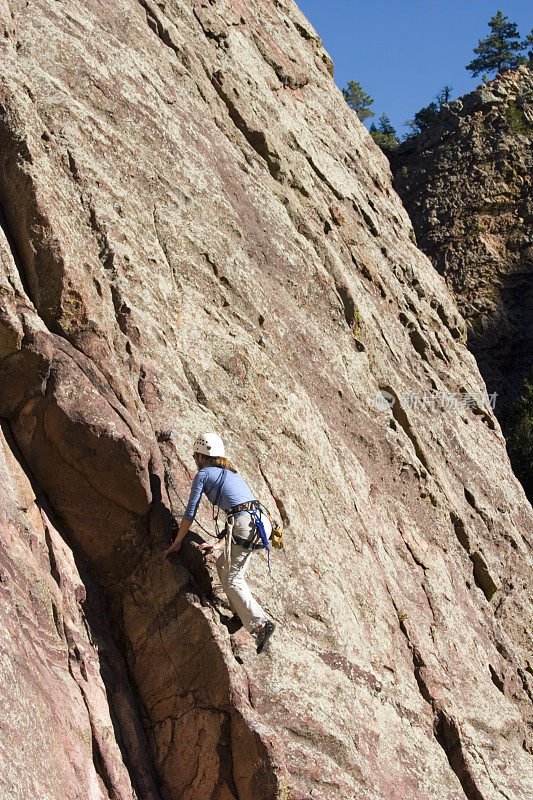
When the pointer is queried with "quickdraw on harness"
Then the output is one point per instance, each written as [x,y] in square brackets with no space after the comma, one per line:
[276,537]
[256,516]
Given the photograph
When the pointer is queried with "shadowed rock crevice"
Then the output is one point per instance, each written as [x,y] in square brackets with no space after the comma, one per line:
[445,728]
[194,383]
[322,177]
[348,304]
[91,650]
[14,252]
[38,252]
[400,415]
[125,705]
[257,139]
[448,735]
[481,573]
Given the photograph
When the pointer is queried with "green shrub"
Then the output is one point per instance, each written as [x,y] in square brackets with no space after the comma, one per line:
[517,119]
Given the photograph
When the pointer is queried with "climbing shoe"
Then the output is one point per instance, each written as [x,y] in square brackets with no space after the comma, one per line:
[263,635]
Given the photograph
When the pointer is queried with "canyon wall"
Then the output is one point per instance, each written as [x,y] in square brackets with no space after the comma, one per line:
[198,234]
[466,182]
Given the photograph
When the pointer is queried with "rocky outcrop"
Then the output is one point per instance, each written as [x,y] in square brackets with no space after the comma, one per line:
[60,664]
[198,233]
[466,183]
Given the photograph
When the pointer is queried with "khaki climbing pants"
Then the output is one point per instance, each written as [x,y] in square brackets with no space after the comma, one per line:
[231,572]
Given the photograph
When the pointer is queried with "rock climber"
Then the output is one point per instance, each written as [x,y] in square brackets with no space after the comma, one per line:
[225,488]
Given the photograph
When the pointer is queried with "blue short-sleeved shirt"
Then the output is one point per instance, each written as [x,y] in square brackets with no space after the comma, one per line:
[235,490]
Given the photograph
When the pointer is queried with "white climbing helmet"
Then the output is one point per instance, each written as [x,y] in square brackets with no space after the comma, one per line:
[209,444]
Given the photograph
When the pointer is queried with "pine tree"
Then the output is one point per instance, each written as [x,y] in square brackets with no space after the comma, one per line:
[529,43]
[385,126]
[358,100]
[500,50]
[445,95]
[423,118]
[384,134]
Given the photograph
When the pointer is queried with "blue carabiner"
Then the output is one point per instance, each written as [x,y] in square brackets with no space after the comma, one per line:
[262,533]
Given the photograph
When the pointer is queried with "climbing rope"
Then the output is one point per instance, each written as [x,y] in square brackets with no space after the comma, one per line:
[171,482]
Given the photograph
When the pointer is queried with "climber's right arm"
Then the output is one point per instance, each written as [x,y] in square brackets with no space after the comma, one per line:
[190,512]
[195,495]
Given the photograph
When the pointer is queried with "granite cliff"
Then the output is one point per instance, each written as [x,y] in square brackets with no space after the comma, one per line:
[466,182]
[198,233]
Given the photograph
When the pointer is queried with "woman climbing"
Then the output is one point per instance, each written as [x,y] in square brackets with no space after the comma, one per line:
[225,488]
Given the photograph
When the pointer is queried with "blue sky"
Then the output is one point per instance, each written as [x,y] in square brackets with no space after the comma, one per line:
[403,53]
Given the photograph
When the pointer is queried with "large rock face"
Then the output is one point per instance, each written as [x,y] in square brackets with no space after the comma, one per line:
[199,234]
[466,182]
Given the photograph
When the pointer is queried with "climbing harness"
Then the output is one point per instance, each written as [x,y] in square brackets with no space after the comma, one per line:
[254,508]
[249,505]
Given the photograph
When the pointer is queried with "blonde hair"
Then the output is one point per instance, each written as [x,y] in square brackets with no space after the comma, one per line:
[218,461]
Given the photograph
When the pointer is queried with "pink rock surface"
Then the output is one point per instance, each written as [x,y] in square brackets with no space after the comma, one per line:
[57,737]
[200,235]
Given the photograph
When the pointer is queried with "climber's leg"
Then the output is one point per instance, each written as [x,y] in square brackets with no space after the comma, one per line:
[237,590]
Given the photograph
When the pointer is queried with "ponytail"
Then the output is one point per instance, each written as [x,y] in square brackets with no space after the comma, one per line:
[219,461]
